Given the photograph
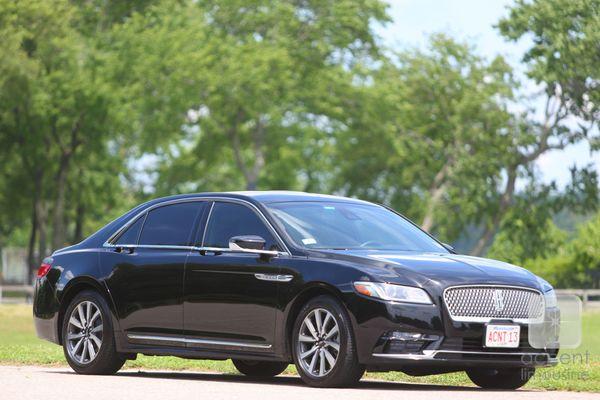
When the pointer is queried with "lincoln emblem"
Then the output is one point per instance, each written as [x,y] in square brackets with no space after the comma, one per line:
[498,300]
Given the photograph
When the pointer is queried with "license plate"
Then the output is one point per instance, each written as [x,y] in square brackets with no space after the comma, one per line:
[502,336]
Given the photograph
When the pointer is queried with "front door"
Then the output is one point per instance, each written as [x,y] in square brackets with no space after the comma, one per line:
[231,297]
[147,269]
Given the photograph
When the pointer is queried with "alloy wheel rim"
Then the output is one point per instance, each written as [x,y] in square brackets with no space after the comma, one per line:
[318,343]
[84,332]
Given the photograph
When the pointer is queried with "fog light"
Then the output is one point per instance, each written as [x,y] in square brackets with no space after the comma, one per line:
[406,342]
[410,336]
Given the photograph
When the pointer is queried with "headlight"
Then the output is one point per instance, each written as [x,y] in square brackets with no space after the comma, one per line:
[550,299]
[386,291]
[549,293]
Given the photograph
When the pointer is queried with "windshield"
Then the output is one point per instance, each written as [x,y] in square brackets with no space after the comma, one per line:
[341,226]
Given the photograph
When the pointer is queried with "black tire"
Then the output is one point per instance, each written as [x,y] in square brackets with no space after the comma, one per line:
[106,360]
[260,369]
[346,370]
[502,378]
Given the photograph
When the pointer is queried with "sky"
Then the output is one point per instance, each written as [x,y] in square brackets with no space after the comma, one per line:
[473,20]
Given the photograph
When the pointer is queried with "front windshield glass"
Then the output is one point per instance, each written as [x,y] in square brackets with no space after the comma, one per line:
[341,226]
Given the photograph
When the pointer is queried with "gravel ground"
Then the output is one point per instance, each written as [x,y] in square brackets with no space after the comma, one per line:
[35,383]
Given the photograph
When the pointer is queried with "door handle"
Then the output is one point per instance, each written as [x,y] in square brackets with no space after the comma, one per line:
[274,277]
[124,249]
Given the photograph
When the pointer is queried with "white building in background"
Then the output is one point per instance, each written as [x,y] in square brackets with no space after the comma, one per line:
[13,264]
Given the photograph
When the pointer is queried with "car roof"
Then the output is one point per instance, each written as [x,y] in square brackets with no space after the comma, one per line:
[267,196]
[276,196]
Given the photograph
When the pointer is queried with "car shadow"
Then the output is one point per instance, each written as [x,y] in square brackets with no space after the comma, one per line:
[286,380]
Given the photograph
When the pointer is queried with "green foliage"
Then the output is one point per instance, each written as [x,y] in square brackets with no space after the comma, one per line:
[527,230]
[251,83]
[58,125]
[204,95]
[570,263]
[430,135]
[565,52]
[586,247]
[526,238]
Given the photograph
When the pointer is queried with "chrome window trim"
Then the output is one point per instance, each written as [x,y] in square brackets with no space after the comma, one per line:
[198,341]
[487,319]
[108,243]
[120,232]
[260,215]
[196,248]
[212,205]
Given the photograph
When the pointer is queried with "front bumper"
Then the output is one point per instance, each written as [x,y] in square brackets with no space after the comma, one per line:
[448,345]
[473,358]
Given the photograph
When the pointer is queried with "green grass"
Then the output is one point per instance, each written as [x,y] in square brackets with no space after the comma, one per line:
[19,345]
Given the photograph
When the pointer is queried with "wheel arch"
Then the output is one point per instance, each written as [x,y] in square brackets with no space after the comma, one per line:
[74,287]
[309,292]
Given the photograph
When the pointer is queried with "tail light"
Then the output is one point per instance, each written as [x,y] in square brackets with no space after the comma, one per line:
[43,270]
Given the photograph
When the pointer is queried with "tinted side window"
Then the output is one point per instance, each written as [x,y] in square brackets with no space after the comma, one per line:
[130,236]
[231,219]
[170,225]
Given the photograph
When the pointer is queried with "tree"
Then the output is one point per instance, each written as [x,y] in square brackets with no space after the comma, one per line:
[257,77]
[431,143]
[574,263]
[563,59]
[55,104]
[527,231]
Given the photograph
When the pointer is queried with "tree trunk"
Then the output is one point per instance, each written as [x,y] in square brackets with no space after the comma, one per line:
[42,214]
[31,256]
[505,201]
[254,174]
[251,174]
[37,215]
[79,220]
[58,220]
[436,192]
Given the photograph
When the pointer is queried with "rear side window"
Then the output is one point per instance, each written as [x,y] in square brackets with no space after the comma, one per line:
[170,225]
[130,236]
[231,219]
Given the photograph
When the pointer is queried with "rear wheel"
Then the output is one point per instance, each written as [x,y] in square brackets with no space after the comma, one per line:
[260,369]
[501,378]
[88,338]
[323,345]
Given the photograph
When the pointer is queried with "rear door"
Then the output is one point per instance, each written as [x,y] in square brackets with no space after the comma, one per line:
[147,263]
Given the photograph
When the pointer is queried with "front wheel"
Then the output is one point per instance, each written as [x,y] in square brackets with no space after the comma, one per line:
[501,378]
[260,369]
[88,337]
[323,345]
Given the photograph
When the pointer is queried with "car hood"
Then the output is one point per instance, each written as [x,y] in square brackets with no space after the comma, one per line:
[439,269]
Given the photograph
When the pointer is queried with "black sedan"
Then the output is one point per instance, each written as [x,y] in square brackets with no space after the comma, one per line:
[335,285]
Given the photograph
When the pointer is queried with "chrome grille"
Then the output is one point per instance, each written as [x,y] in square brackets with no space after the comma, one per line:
[482,303]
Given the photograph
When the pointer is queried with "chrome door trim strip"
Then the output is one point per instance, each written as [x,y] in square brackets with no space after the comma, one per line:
[228,343]
[192,199]
[198,341]
[274,277]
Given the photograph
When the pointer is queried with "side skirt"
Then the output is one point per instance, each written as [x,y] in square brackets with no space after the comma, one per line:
[193,348]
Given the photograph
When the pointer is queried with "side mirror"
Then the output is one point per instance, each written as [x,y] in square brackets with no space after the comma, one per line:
[249,242]
[448,247]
